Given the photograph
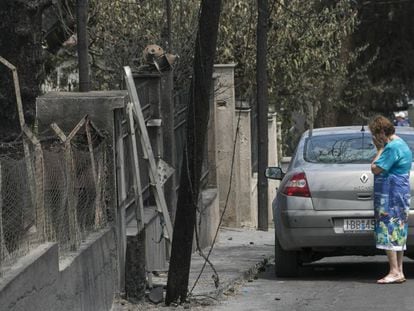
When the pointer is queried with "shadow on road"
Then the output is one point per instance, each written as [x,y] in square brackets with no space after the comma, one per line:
[354,271]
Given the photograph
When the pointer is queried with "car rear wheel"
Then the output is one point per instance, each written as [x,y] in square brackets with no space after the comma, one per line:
[287,263]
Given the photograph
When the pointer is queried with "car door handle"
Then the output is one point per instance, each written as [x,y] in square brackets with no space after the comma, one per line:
[364,196]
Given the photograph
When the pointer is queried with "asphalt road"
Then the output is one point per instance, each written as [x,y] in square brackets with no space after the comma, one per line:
[345,283]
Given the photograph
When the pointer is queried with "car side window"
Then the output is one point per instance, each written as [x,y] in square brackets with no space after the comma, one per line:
[409,139]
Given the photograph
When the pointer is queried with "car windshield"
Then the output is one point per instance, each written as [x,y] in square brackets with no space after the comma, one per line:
[344,148]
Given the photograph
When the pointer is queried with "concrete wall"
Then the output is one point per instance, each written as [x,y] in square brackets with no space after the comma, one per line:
[86,281]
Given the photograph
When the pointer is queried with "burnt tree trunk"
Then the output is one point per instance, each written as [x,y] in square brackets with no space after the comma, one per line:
[82,22]
[262,110]
[198,112]
[20,44]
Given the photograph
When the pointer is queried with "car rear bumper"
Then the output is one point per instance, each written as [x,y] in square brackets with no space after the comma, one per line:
[298,229]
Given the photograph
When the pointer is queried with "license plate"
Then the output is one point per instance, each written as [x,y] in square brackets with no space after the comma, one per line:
[359,224]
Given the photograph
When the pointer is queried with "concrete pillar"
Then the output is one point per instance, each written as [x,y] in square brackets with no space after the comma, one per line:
[247,213]
[225,114]
[212,140]
[273,161]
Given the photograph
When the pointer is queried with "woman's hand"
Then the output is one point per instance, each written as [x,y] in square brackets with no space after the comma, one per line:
[378,142]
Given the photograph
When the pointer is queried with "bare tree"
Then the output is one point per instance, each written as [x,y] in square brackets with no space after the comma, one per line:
[198,112]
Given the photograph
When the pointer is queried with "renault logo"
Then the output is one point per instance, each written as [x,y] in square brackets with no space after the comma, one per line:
[363,178]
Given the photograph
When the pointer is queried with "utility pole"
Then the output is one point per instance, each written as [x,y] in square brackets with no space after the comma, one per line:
[167,112]
[82,31]
[262,110]
[197,120]
[168,12]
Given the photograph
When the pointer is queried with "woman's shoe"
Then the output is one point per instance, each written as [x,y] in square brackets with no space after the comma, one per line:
[391,280]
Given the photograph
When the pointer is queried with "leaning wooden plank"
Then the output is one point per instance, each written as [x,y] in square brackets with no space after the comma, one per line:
[99,212]
[96,130]
[58,132]
[120,218]
[147,148]
[74,231]
[43,223]
[41,214]
[91,155]
[16,89]
[29,166]
[137,178]
[97,176]
[77,127]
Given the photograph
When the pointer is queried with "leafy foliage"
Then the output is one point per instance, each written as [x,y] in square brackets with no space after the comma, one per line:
[310,53]
[309,47]
[120,30]
[323,55]
[386,26]
[310,60]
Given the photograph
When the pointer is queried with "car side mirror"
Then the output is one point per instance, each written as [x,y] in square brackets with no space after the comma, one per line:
[274,173]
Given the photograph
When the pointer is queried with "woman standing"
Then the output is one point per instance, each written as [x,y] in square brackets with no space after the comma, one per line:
[391,167]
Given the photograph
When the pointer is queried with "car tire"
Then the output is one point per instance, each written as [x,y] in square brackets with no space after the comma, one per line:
[287,263]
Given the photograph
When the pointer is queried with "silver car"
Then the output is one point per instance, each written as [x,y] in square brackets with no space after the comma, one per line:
[324,205]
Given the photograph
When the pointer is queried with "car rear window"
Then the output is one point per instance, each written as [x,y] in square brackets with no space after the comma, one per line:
[344,148]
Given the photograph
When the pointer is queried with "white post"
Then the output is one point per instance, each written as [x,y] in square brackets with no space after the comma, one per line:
[273,161]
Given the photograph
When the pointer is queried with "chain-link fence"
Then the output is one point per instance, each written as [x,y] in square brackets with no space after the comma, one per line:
[52,188]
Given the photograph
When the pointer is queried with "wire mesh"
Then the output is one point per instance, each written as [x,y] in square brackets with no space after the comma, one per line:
[58,192]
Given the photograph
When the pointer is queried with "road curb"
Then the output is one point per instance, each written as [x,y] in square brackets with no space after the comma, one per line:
[230,285]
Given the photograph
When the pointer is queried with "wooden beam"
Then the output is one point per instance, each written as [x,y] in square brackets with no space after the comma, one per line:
[26,149]
[121,197]
[97,178]
[74,231]
[77,127]
[135,163]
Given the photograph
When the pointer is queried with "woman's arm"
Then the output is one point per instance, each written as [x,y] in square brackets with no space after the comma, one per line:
[379,144]
[374,168]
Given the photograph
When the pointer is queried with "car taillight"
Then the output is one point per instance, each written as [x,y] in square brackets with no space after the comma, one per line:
[297,186]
